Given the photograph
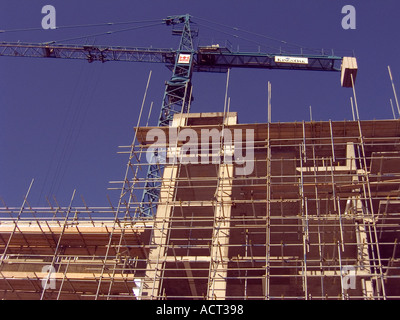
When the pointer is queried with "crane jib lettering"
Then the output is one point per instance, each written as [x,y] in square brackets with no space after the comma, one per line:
[298,60]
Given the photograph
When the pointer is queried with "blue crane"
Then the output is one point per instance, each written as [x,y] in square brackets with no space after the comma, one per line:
[183,62]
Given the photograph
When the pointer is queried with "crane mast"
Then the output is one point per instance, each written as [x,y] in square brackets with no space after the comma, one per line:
[176,99]
[183,62]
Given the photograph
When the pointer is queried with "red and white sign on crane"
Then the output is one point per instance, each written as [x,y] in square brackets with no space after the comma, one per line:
[184,58]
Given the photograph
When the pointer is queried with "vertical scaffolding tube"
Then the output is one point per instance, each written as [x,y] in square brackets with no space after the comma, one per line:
[268,218]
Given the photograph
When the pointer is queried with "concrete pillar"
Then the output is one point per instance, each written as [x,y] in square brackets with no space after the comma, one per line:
[220,236]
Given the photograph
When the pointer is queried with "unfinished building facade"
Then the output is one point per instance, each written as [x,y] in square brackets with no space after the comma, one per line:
[305,210]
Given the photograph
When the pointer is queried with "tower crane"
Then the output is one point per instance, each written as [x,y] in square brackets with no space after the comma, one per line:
[183,62]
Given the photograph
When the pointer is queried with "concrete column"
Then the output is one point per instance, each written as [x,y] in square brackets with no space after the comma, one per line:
[157,256]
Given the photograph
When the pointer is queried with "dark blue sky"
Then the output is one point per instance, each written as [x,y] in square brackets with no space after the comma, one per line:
[61,121]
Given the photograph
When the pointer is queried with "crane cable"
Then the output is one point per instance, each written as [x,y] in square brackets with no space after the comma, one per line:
[68,135]
[78,119]
[104,33]
[62,130]
[256,34]
[78,113]
[239,37]
[158,22]
[79,26]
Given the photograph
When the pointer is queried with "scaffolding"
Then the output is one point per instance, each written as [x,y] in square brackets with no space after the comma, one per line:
[317,217]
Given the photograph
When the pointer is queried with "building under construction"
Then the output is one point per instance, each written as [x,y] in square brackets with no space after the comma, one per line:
[304,210]
[316,217]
